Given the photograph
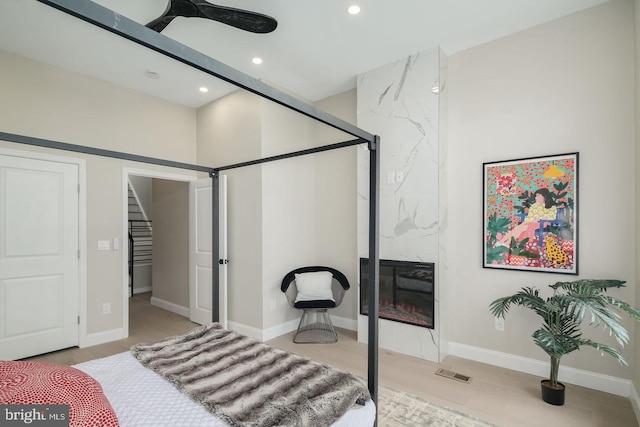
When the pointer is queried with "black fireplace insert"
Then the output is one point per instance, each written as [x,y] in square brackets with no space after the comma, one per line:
[406,291]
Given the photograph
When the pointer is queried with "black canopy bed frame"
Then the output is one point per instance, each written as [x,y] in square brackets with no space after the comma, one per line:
[109,20]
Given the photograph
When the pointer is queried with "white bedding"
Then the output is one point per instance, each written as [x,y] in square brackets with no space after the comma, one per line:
[141,398]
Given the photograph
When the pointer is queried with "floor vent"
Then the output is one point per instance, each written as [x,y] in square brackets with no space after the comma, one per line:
[453,375]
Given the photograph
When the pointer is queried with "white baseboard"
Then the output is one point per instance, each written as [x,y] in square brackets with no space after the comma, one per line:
[284,328]
[276,331]
[249,331]
[142,290]
[263,334]
[169,306]
[635,402]
[102,337]
[593,380]
[344,323]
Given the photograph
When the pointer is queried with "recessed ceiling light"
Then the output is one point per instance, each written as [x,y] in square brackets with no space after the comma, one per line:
[257,60]
[354,10]
[204,89]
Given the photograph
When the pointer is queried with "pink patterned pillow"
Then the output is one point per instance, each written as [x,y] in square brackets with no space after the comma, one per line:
[45,383]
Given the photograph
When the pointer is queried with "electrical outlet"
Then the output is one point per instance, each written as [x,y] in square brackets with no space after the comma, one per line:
[106,308]
[499,324]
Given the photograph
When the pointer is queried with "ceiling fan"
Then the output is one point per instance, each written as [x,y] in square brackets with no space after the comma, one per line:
[238,18]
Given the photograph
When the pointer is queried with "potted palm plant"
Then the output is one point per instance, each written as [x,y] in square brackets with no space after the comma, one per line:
[562,316]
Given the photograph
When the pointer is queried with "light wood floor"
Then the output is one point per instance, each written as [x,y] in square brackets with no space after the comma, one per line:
[501,396]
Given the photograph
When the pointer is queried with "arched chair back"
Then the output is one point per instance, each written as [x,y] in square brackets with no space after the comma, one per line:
[315,324]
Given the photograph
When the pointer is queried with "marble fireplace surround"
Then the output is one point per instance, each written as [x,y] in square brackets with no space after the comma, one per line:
[401,102]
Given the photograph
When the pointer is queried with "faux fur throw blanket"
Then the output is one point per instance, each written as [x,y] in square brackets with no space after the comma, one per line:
[248,383]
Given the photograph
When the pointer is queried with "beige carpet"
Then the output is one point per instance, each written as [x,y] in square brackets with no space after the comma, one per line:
[398,409]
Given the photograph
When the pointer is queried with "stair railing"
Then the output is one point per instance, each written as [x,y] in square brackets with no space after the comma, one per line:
[140,245]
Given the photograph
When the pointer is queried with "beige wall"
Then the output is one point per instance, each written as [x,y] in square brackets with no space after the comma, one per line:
[229,132]
[288,206]
[46,102]
[636,365]
[309,203]
[336,198]
[560,87]
[284,214]
[170,273]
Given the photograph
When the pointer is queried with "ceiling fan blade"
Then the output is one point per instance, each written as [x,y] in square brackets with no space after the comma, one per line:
[238,18]
[242,19]
[160,23]
[171,11]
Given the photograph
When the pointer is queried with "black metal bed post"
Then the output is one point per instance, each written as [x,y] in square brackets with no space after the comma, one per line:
[374,269]
[215,249]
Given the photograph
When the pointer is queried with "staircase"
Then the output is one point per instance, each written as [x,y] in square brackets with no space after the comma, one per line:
[140,238]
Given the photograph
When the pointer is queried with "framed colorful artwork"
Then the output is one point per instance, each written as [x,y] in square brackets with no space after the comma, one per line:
[531,214]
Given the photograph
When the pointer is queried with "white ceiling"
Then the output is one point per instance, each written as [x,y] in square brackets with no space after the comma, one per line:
[316,51]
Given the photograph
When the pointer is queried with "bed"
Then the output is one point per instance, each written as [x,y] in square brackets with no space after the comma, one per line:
[209,377]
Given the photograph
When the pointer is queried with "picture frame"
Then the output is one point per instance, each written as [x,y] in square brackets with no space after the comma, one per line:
[531,214]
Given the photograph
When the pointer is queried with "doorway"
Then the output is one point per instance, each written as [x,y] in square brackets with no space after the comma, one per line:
[167,207]
[182,261]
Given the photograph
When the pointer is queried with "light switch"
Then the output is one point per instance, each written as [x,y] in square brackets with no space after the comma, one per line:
[399,176]
[391,177]
[116,243]
[103,245]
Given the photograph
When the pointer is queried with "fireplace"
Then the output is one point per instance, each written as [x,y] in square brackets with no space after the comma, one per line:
[406,291]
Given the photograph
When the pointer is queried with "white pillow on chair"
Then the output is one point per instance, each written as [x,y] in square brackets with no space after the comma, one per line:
[314,286]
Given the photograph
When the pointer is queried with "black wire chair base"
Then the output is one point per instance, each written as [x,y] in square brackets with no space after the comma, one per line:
[315,327]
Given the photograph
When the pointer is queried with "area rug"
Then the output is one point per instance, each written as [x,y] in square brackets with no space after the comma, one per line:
[398,409]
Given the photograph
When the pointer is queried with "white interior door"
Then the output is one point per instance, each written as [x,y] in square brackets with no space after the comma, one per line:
[201,251]
[39,265]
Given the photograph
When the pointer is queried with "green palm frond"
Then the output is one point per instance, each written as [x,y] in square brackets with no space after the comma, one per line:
[556,345]
[588,284]
[631,311]
[606,349]
[526,297]
[583,300]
